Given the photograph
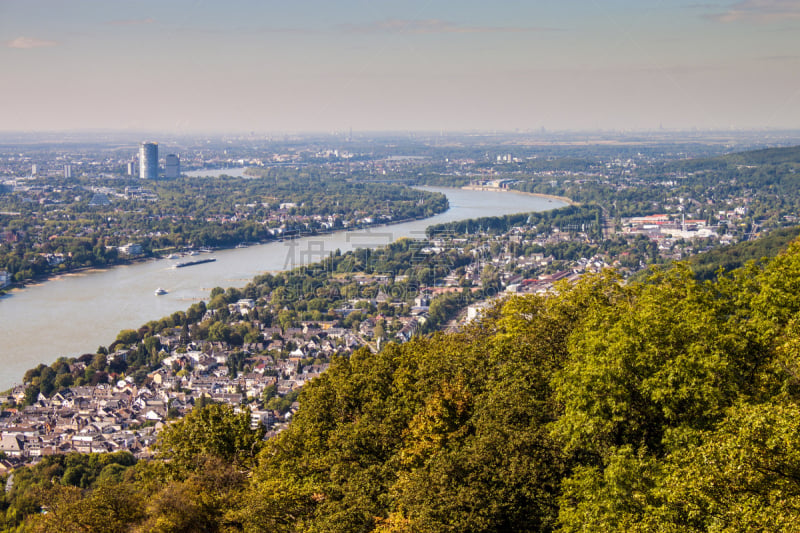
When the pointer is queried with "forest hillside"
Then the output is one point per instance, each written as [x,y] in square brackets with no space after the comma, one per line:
[669,404]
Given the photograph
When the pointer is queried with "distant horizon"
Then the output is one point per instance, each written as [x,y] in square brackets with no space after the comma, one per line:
[151,134]
[189,67]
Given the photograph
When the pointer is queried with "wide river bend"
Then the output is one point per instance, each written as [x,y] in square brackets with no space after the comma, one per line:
[75,313]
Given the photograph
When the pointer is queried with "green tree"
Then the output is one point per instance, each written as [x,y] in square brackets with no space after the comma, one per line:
[128,337]
[219,332]
[213,430]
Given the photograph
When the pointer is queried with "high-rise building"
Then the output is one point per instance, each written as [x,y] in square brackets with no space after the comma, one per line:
[148,161]
[131,168]
[172,167]
[67,171]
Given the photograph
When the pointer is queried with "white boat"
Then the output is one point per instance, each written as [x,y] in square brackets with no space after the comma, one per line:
[172,256]
[160,291]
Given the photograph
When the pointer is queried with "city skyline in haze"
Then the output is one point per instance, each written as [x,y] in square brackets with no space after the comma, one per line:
[191,66]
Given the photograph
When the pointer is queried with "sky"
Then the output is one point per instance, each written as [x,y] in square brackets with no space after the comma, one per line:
[195,66]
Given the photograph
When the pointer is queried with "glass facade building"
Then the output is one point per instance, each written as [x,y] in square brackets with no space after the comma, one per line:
[148,161]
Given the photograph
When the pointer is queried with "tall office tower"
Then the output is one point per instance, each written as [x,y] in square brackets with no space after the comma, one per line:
[33,169]
[148,161]
[131,168]
[172,167]
[67,171]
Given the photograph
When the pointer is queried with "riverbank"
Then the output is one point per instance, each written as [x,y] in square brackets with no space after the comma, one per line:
[12,288]
[85,310]
[515,191]
[55,276]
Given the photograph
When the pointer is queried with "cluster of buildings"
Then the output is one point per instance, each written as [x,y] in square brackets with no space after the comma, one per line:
[127,416]
[667,228]
[148,163]
[146,166]
[124,416]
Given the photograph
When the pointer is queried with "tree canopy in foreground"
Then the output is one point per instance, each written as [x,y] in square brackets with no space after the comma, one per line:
[669,405]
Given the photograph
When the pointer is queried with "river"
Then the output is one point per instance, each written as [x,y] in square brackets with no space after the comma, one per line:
[75,313]
[234,172]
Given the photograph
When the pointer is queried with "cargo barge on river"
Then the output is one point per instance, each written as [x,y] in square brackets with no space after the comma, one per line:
[191,263]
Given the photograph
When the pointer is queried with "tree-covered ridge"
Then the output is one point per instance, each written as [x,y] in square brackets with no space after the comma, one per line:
[608,407]
[731,257]
[666,405]
[789,154]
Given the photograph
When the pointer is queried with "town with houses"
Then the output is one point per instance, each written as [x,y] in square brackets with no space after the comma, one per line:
[121,415]
[126,413]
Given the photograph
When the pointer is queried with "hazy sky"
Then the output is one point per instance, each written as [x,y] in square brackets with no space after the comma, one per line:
[313,65]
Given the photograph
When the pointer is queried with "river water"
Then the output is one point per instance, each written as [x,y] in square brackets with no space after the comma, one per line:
[76,313]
